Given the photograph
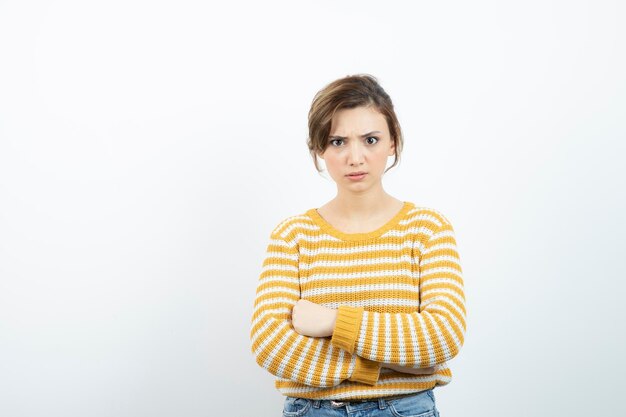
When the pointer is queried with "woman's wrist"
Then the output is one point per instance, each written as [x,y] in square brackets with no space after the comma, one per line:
[332,321]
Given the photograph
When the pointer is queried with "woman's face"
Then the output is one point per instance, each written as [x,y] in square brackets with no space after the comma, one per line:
[359,141]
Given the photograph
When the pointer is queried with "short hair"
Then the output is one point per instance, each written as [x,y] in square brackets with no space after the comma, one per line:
[347,93]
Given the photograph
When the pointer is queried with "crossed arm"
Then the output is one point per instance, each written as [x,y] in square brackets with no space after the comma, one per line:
[315,320]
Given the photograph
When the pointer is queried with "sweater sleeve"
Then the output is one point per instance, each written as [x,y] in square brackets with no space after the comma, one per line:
[424,338]
[278,348]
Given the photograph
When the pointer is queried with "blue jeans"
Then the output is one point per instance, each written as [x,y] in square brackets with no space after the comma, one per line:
[421,404]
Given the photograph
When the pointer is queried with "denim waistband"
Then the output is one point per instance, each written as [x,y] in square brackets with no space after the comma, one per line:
[365,402]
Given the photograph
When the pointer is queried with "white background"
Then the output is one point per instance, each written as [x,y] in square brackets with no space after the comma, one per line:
[148,148]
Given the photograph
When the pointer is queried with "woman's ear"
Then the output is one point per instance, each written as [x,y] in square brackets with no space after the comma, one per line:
[392,148]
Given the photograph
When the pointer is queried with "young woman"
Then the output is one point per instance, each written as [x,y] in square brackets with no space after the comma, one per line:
[360,303]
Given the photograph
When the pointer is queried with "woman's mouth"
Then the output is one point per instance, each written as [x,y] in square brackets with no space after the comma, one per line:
[357,176]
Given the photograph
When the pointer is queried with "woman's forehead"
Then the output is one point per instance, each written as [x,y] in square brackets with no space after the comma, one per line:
[358,120]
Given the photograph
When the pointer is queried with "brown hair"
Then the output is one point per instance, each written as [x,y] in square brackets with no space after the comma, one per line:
[347,93]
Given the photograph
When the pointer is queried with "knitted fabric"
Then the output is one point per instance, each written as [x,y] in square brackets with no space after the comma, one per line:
[399,295]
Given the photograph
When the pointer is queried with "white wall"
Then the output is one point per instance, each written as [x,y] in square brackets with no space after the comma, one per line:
[147,149]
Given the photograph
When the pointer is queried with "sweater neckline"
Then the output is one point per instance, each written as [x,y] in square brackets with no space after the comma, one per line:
[331,230]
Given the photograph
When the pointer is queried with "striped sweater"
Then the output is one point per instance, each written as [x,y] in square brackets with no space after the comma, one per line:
[399,295]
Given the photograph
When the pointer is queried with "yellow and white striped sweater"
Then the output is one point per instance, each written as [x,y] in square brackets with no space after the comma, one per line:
[400,299]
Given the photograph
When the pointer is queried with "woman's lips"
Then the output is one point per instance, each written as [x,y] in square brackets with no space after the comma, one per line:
[357,177]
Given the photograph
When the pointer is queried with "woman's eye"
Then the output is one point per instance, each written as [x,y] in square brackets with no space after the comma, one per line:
[332,142]
[371,137]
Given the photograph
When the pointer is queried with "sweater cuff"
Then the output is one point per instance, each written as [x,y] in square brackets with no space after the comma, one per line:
[365,371]
[347,327]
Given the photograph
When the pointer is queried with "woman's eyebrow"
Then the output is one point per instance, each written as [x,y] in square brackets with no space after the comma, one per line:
[363,135]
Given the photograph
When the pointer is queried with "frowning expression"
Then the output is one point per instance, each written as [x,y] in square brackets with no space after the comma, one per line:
[358,147]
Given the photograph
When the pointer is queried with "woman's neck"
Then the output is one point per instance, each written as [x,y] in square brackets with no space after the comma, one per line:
[352,206]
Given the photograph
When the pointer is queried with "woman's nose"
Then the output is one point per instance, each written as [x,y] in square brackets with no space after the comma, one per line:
[355,153]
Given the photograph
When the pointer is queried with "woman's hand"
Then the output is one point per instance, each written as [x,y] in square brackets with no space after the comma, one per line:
[310,319]
[407,370]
